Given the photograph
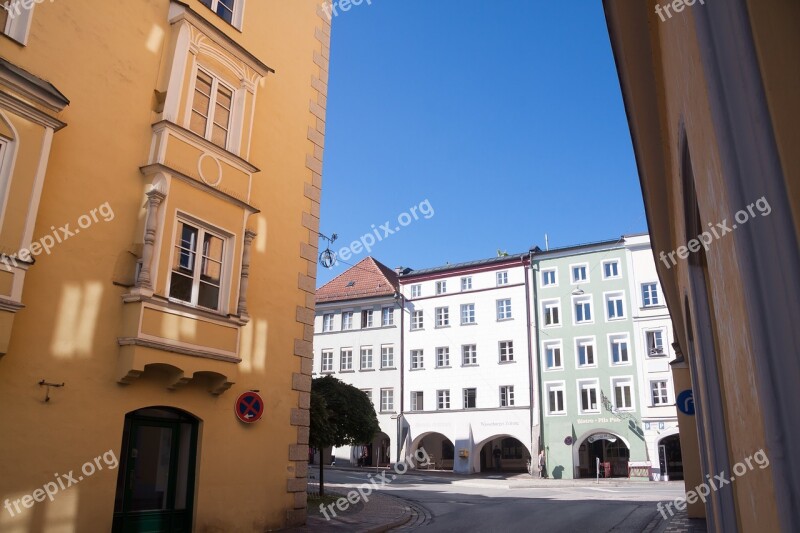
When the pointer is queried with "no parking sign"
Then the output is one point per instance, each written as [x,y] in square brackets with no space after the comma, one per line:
[249,407]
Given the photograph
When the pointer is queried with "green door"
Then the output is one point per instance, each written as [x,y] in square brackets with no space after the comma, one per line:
[155,485]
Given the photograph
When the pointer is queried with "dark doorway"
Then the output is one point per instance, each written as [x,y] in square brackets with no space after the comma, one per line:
[613,455]
[155,484]
[669,457]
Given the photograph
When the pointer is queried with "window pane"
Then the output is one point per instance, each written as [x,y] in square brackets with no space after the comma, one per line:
[212,247]
[225,10]
[208,296]
[180,287]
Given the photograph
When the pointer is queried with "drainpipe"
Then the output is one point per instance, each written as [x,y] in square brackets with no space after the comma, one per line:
[530,345]
[534,269]
[401,301]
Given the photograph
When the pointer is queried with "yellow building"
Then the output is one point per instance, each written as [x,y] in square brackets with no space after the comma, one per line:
[160,175]
[710,90]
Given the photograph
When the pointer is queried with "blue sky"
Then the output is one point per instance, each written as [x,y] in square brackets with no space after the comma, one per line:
[506,116]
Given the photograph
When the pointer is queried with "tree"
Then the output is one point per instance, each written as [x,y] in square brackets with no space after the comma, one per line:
[341,415]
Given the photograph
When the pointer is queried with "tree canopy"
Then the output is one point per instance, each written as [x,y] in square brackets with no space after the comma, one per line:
[341,414]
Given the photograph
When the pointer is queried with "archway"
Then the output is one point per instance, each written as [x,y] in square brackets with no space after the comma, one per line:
[612,450]
[670,460]
[376,453]
[501,453]
[155,483]
[439,449]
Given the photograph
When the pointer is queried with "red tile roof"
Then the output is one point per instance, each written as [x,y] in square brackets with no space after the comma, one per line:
[365,279]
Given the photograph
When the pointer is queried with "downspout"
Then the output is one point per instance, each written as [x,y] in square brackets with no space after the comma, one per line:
[530,346]
[402,303]
[534,269]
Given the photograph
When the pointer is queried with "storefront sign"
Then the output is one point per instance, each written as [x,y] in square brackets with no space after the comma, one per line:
[602,436]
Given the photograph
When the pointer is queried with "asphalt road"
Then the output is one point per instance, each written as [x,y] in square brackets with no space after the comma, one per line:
[492,503]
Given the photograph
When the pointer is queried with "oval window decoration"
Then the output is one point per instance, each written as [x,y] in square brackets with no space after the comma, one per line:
[207,179]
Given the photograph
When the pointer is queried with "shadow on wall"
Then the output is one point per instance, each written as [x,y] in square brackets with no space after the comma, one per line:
[558,472]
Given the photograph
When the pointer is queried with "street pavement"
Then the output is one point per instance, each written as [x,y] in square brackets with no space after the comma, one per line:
[489,502]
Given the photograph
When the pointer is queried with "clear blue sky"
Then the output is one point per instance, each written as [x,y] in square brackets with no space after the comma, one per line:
[506,115]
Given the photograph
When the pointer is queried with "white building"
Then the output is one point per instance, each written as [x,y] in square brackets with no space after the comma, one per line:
[653,339]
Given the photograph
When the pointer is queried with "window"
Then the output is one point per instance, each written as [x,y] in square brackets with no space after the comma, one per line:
[223,8]
[466,283]
[650,294]
[587,392]
[611,269]
[506,351]
[584,349]
[387,356]
[211,109]
[366,358]
[417,403]
[504,309]
[580,273]
[468,314]
[417,359]
[443,399]
[549,278]
[366,319]
[197,274]
[368,392]
[552,313]
[387,316]
[387,400]
[658,391]
[416,291]
[655,342]
[442,317]
[327,360]
[442,357]
[552,355]
[619,349]
[346,359]
[469,354]
[507,396]
[327,322]
[441,287]
[416,320]
[470,396]
[502,278]
[623,393]
[583,310]
[615,306]
[555,398]
[347,320]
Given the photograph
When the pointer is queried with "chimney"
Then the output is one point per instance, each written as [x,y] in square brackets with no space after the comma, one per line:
[398,271]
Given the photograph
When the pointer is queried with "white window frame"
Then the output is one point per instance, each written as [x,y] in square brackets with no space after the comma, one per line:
[367,318]
[366,353]
[612,262]
[442,317]
[327,322]
[417,361]
[417,400]
[585,341]
[347,320]
[588,384]
[657,294]
[623,380]
[502,278]
[472,351]
[387,356]
[547,304]
[572,279]
[554,344]
[237,17]
[582,299]
[441,287]
[387,400]
[443,357]
[234,119]
[665,395]
[417,320]
[442,399]
[466,283]
[326,362]
[617,296]
[368,392]
[650,353]
[387,317]
[508,347]
[555,386]
[348,358]
[504,311]
[465,396]
[554,272]
[618,338]
[416,290]
[18,27]
[467,314]
[507,396]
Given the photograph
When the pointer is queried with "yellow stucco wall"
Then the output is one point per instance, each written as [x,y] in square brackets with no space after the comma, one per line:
[107,58]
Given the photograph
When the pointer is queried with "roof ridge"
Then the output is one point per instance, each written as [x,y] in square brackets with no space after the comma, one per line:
[343,273]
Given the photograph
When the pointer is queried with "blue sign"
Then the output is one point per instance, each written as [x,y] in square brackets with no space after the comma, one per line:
[685,402]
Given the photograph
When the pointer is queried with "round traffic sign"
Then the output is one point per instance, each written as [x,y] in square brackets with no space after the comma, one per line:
[685,402]
[249,407]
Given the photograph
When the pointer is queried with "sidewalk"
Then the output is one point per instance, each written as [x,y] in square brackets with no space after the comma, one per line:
[680,523]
